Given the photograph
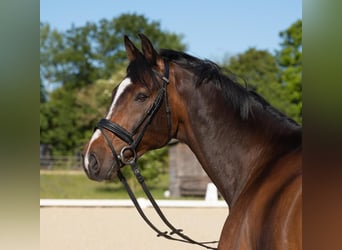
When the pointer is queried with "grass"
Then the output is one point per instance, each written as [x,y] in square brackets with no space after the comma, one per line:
[75,185]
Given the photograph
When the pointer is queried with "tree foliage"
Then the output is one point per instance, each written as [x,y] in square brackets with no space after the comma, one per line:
[290,63]
[276,77]
[81,55]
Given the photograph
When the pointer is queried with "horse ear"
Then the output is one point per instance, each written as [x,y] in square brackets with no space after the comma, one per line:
[131,50]
[149,52]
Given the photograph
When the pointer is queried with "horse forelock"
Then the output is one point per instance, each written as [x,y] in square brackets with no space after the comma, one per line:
[139,71]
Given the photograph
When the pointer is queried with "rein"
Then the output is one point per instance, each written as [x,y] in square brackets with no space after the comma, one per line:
[127,137]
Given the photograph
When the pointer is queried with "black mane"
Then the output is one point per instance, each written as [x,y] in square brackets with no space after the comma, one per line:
[207,71]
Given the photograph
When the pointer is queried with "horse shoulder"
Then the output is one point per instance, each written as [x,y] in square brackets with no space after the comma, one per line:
[282,211]
[268,214]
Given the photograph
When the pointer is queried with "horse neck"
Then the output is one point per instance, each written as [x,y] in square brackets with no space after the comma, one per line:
[229,149]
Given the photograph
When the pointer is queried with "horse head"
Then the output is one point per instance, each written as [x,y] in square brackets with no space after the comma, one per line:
[138,119]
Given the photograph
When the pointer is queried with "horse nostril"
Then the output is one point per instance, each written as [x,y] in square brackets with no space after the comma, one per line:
[94,166]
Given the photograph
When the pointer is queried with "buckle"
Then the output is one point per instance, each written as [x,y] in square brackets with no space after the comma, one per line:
[128,160]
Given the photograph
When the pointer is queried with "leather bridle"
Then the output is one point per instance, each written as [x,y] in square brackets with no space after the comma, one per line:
[133,139]
[142,125]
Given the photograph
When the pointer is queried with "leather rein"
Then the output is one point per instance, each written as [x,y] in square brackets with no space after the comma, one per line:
[120,159]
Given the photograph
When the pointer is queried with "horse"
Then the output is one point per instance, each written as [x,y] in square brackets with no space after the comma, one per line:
[251,151]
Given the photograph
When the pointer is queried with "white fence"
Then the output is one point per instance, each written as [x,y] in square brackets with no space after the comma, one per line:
[144,203]
[61,162]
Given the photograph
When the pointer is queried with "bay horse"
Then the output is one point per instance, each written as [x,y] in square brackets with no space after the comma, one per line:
[250,150]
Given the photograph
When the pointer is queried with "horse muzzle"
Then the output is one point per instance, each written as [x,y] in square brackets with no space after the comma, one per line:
[99,170]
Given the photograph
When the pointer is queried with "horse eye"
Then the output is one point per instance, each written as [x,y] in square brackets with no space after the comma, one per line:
[141,97]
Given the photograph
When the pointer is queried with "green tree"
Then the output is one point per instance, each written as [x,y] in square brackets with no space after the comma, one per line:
[42,92]
[276,77]
[109,39]
[67,58]
[58,122]
[255,66]
[258,70]
[81,55]
[290,63]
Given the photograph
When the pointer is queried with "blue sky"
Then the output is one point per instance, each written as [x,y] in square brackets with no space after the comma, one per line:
[212,29]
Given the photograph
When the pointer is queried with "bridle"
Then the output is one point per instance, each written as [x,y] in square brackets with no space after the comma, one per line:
[121,159]
[126,136]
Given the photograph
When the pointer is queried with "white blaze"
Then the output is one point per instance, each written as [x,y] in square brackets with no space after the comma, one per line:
[96,135]
[123,85]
